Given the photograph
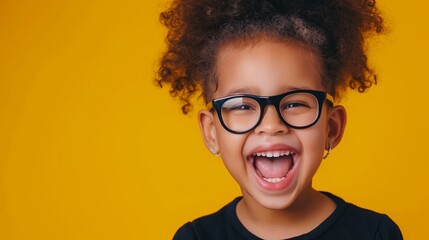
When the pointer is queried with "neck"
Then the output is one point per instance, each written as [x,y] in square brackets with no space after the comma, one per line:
[303,215]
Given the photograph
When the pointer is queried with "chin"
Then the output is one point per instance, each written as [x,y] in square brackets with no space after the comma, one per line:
[274,201]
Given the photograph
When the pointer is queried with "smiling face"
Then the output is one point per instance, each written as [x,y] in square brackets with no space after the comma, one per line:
[273,164]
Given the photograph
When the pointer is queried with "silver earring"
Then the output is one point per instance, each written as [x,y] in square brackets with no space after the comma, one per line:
[329,151]
[214,152]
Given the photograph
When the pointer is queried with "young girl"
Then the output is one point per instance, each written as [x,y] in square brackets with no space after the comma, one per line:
[271,73]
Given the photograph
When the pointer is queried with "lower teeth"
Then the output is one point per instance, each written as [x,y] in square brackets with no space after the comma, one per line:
[271,180]
[274,180]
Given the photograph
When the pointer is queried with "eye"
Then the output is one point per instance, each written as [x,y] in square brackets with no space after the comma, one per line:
[242,107]
[240,104]
[295,105]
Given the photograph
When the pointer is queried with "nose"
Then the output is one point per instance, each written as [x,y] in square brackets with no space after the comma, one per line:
[271,123]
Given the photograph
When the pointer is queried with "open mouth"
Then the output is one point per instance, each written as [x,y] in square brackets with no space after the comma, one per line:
[273,166]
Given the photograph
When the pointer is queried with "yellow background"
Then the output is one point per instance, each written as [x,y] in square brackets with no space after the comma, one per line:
[90,149]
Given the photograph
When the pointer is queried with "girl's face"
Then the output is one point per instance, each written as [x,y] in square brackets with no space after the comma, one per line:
[289,157]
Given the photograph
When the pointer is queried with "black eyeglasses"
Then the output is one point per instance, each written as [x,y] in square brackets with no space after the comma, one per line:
[297,109]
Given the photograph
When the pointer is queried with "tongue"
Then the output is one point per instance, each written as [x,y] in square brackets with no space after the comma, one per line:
[273,167]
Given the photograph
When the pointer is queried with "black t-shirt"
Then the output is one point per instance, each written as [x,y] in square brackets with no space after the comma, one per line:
[347,222]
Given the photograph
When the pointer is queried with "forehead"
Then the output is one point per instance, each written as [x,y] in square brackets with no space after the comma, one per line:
[267,68]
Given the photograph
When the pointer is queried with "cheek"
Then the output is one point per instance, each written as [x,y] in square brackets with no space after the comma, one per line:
[230,145]
[231,150]
[313,142]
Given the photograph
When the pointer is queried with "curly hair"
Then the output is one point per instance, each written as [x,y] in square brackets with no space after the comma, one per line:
[335,29]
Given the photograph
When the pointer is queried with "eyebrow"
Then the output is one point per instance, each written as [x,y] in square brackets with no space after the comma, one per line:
[255,91]
[245,90]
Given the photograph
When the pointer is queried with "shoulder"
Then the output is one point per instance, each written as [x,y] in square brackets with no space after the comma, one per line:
[185,232]
[213,226]
[352,220]
[376,224]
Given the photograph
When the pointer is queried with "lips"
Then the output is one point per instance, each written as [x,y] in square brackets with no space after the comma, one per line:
[273,167]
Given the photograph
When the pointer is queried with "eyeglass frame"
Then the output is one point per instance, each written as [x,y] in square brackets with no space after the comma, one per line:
[275,100]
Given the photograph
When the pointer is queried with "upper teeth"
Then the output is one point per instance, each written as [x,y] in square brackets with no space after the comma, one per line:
[274,154]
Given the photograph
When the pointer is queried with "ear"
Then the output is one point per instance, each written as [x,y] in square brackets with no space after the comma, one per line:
[337,118]
[207,128]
